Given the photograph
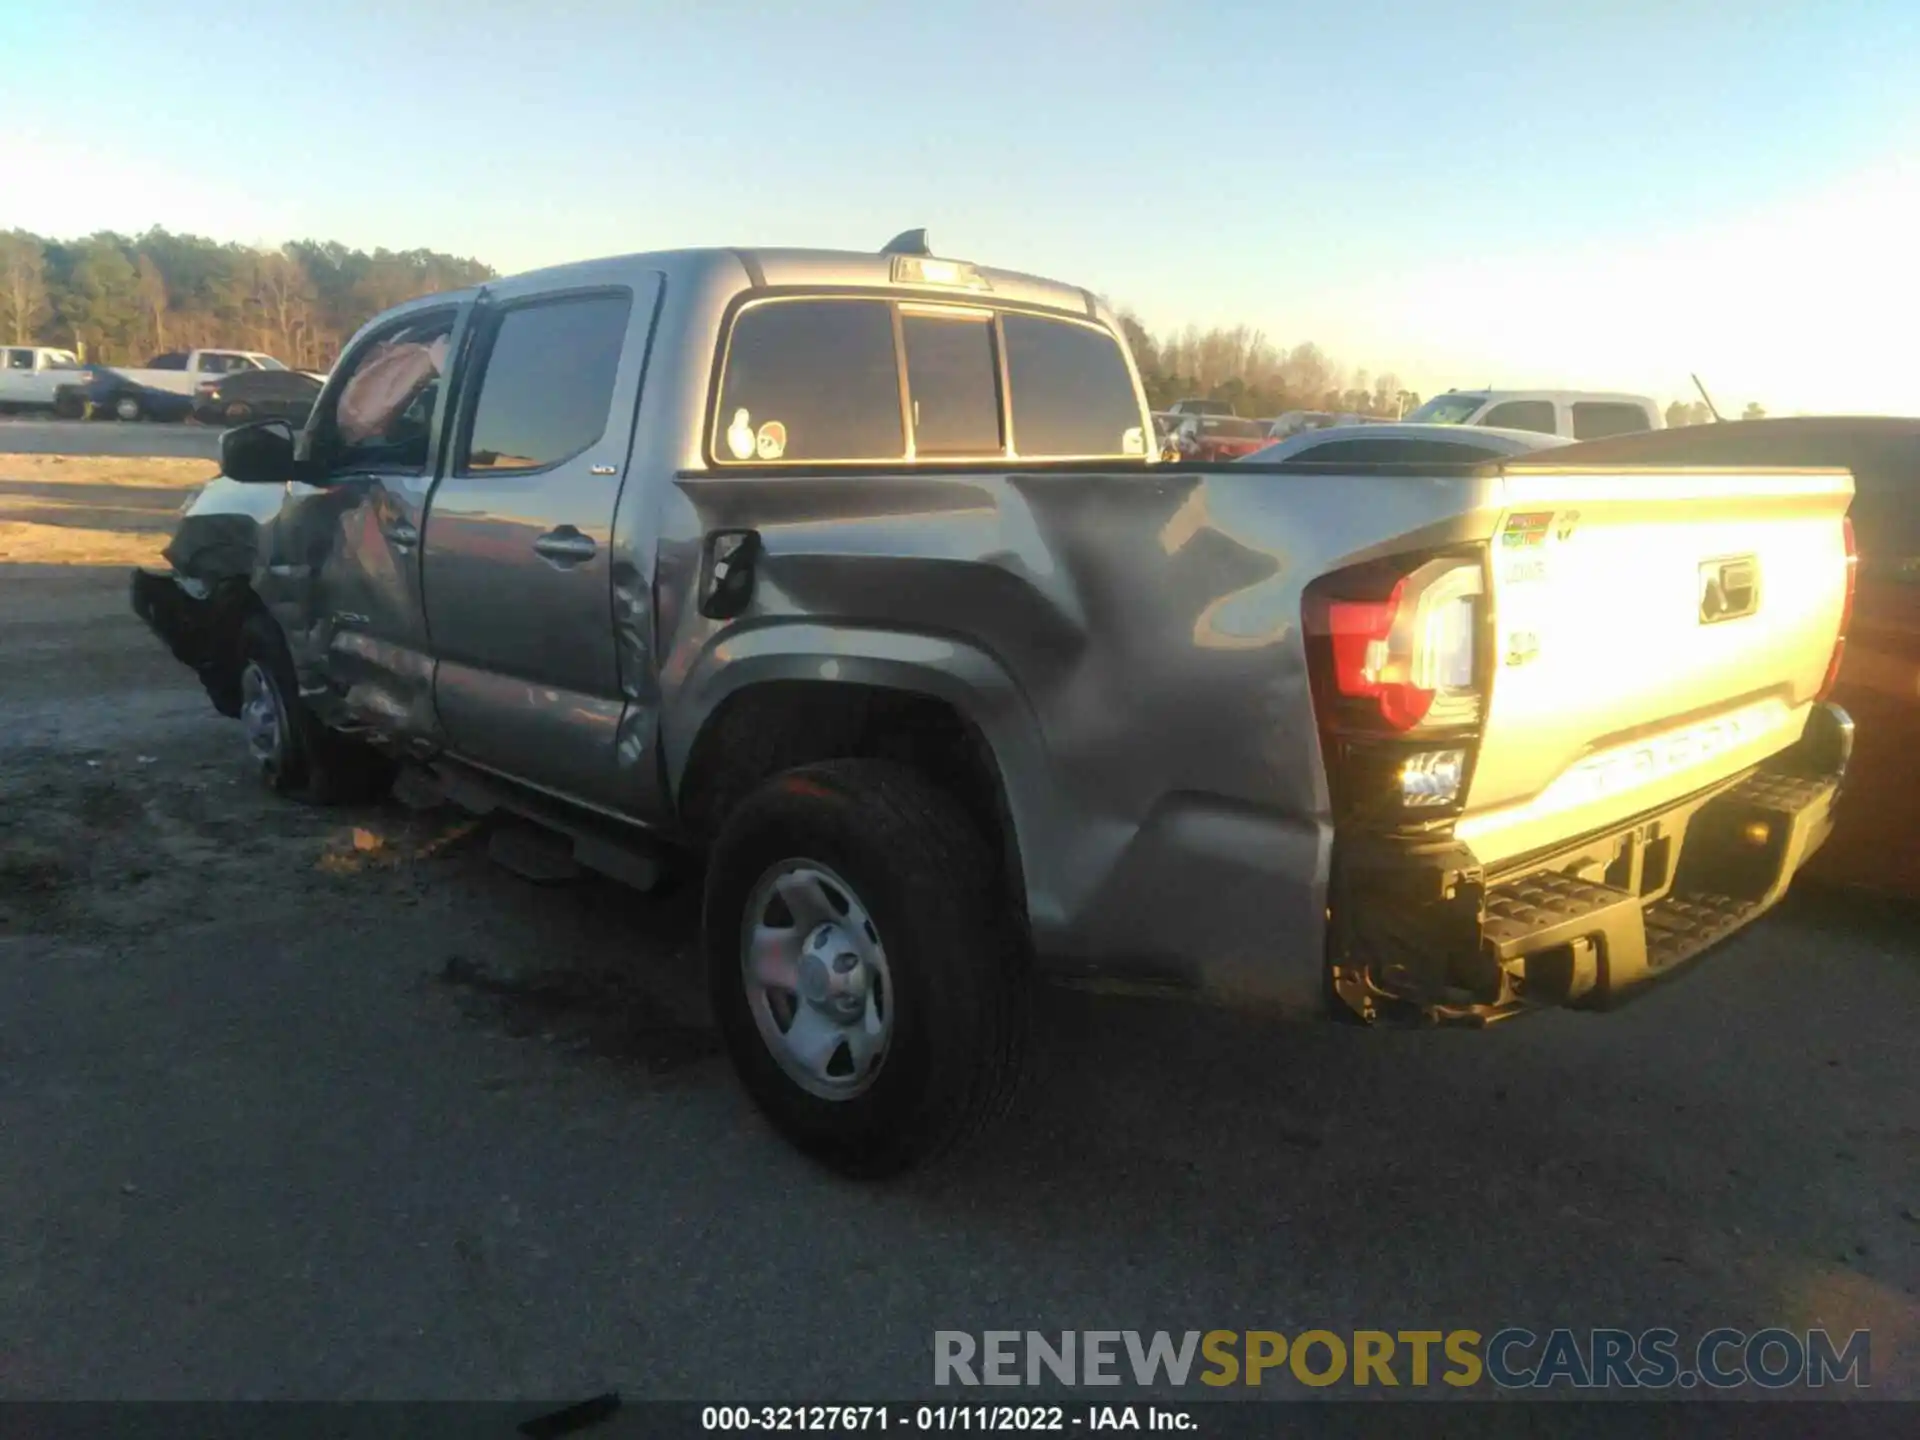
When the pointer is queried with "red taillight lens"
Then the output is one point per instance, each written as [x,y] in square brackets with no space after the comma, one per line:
[1846,608]
[1397,645]
[1361,632]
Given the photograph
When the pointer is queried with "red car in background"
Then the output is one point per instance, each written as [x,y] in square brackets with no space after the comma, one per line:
[1876,843]
[1219,437]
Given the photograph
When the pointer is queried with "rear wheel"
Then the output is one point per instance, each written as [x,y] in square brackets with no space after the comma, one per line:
[238,412]
[869,986]
[127,407]
[292,752]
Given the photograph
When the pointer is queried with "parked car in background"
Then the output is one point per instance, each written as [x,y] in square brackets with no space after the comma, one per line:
[257,395]
[30,374]
[1877,680]
[1405,444]
[1218,437]
[162,389]
[1576,414]
[1295,421]
[1184,408]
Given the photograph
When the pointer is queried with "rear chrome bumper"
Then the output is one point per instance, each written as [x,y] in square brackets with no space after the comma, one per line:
[1420,932]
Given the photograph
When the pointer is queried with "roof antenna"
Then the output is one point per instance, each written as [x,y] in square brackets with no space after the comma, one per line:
[907,242]
[1706,397]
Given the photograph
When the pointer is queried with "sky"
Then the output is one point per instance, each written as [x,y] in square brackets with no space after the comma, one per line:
[1604,196]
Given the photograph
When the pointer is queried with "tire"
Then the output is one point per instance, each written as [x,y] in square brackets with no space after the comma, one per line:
[128,408]
[237,413]
[943,971]
[70,407]
[292,752]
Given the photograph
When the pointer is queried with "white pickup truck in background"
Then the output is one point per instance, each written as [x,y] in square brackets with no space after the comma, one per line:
[1570,414]
[162,389]
[29,375]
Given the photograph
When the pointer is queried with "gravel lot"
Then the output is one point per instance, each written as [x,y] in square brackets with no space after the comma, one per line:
[309,1104]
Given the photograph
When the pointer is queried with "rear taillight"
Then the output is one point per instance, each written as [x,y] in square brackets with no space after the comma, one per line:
[1409,655]
[1396,656]
[1846,608]
[208,389]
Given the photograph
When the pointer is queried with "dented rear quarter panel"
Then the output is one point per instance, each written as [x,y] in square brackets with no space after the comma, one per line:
[1128,643]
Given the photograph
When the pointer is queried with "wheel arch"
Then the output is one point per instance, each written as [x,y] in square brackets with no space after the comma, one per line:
[769,700]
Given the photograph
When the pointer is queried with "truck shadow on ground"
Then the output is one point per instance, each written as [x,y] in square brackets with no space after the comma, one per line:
[1707,1147]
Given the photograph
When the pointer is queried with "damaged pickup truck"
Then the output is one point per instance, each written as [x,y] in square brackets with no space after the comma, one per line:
[852,573]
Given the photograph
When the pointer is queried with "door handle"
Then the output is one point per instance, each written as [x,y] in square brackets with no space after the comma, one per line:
[402,536]
[565,546]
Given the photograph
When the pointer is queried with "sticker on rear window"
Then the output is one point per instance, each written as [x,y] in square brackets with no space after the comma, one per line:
[771,442]
[1529,529]
[1133,442]
[740,437]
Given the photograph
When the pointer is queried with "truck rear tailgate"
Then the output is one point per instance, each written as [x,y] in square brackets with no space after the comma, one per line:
[1655,632]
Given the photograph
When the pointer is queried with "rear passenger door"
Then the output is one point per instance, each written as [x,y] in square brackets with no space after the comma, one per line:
[519,560]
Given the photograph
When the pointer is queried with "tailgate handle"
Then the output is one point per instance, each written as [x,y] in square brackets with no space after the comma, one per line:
[1729,588]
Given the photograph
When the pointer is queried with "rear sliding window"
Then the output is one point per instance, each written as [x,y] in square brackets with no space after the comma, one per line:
[819,380]
[1596,419]
[953,377]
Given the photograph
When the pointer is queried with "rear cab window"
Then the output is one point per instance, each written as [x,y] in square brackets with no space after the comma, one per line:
[1535,415]
[1597,419]
[1394,452]
[859,379]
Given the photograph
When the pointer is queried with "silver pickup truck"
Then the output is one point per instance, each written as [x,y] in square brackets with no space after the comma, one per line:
[853,574]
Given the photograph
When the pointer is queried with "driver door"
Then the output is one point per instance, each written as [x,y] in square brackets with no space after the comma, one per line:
[347,557]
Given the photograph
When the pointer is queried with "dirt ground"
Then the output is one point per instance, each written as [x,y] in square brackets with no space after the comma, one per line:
[301,1103]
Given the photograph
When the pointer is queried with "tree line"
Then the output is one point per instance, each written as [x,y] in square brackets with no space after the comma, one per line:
[1258,378]
[122,299]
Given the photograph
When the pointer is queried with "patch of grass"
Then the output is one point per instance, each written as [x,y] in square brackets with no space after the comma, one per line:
[163,474]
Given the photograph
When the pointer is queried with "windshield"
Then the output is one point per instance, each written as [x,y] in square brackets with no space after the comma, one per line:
[1447,410]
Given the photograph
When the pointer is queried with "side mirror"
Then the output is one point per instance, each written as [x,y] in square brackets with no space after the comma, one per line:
[258,454]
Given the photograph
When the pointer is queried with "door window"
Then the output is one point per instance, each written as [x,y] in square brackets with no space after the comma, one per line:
[547,384]
[19,359]
[383,415]
[1073,395]
[1535,415]
[952,377]
[810,380]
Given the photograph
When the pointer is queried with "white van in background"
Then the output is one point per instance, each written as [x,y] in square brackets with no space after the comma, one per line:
[1571,414]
